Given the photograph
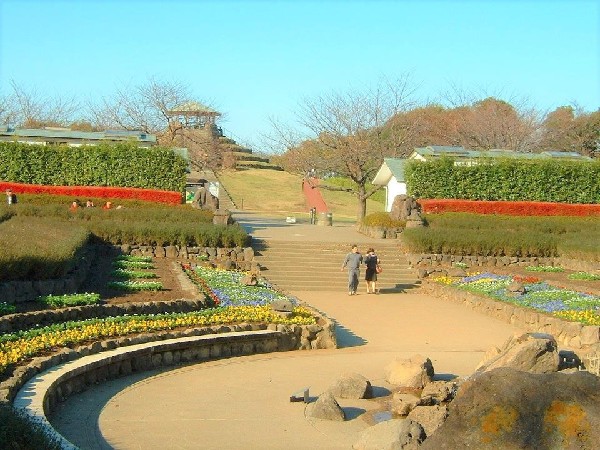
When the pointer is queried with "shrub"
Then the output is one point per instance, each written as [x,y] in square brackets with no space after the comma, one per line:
[382,219]
[487,235]
[19,432]
[122,165]
[60,301]
[39,249]
[543,180]
[6,308]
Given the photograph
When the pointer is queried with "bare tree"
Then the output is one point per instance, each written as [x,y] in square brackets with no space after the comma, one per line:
[28,108]
[147,107]
[349,133]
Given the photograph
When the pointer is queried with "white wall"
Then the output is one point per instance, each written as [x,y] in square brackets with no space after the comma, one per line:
[392,189]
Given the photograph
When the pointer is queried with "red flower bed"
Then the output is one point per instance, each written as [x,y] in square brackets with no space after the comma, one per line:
[150,195]
[508,208]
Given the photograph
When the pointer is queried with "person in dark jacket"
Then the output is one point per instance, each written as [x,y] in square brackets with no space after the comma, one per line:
[371,261]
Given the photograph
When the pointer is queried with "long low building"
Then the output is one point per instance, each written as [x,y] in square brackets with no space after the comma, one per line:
[66,136]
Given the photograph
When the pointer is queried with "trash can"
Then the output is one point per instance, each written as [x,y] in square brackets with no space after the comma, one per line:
[325,219]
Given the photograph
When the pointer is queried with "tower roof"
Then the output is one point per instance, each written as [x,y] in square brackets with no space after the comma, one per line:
[193,109]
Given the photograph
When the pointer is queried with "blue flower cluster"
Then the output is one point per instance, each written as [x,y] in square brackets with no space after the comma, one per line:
[539,295]
[227,286]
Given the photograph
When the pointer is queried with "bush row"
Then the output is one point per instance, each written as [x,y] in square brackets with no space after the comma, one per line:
[470,234]
[506,179]
[508,208]
[103,192]
[123,165]
[40,249]
[41,241]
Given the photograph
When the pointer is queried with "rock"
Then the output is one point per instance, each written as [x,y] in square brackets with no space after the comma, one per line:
[353,386]
[530,352]
[416,371]
[249,280]
[429,417]
[391,435]
[516,288]
[422,273]
[327,408]
[457,272]
[438,392]
[282,305]
[402,403]
[510,409]
[171,251]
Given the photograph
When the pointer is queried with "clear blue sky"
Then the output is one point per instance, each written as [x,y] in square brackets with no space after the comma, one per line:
[255,59]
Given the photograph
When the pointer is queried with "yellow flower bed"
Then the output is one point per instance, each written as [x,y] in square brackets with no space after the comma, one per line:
[31,344]
[587,317]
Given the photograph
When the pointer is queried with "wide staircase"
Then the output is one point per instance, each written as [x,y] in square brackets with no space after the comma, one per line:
[315,266]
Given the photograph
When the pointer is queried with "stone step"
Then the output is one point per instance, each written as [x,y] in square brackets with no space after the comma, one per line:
[316,265]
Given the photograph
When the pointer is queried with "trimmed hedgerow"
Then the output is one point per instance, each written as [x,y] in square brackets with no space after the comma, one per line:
[544,180]
[472,234]
[122,165]
[39,249]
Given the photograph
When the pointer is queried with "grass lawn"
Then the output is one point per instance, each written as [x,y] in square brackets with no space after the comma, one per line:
[279,194]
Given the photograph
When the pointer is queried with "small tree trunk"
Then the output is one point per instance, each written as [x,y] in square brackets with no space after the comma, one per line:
[362,204]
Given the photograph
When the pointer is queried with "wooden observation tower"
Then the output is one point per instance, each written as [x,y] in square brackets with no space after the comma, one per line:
[194,115]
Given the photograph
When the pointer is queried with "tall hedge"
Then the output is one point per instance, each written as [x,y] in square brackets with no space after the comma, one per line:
[123,165]
[545,180]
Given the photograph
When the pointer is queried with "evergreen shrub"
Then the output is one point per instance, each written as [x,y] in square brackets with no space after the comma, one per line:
[543,180]
[122,165]
[382,219]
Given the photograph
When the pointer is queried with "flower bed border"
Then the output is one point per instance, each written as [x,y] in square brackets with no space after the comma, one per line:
[571,334]
[150,195]
[428,260]
[511,208]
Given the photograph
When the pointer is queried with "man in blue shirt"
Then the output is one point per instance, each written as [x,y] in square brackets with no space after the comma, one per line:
[353,261]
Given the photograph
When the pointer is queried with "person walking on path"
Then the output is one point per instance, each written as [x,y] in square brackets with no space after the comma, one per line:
[372,262]
[353,261]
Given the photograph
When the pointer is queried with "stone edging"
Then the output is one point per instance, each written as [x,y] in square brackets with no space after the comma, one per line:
[425,260]
[40,395]
[571,334]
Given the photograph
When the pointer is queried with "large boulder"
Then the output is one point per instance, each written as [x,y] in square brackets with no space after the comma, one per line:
[530,352]
[326,408]
[511,409]
[429,417]
[415,371]
[352,386]
[403,403]
[438,392]
[396,434]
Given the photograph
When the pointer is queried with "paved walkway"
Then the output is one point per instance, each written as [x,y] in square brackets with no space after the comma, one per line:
[243,403]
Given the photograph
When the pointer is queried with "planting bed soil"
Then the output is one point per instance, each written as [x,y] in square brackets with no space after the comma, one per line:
[165,271]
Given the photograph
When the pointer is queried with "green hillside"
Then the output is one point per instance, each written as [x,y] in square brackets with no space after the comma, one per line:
[279,193]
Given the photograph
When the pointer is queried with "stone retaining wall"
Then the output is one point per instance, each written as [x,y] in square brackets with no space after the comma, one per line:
[426,260]
[16,292]
[40,395]
[15,322]
[290,337]
[571,334]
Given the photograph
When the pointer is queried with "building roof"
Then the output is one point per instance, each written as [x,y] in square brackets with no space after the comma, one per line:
[391,167]
[193,108]
[66,133]
[436,151]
